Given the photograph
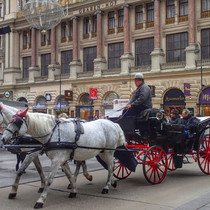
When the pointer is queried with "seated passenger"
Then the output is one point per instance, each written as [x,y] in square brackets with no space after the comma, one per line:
[141,100]
[174,117]
[189,122]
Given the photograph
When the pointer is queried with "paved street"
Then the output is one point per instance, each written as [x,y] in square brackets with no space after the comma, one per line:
[186,188]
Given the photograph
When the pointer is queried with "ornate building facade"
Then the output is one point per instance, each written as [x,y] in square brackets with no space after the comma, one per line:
[101,45]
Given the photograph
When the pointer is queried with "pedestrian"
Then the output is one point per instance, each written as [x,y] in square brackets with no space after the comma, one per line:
[190,122]
[63,115]
[174,117]
[141,100]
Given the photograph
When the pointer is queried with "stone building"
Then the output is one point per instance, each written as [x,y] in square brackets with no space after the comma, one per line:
[101,45]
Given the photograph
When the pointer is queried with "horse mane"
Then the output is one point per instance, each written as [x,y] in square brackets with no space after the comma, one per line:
[40,124]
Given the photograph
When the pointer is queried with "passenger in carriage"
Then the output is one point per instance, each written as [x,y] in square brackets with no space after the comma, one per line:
[174,117]
[189,122]
[141,100]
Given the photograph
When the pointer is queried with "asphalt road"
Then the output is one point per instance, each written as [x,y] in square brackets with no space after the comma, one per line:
[185,188]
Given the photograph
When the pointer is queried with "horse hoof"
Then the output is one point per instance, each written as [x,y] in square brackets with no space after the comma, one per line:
[105,191]
[69,186]
[72,195]
[38,206]
[90,178]
[114,184]
[12,195]
[40,190]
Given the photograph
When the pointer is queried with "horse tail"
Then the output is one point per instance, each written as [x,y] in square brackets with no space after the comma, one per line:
[121,140]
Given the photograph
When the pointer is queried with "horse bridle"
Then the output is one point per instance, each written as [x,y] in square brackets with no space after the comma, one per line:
[18,121]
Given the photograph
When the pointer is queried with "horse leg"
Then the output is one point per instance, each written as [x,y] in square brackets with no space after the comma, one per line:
[71,179]
[85,172]
[109,160]
[54,168]
[20,171]
[78,165]
[40,172]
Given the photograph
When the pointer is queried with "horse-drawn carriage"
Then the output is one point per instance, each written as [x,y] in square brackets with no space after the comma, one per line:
[160,146]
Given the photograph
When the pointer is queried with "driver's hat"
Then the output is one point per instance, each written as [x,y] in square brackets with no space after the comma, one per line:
[139,76]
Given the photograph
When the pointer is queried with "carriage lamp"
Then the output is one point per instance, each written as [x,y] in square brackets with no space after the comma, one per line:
[198,48]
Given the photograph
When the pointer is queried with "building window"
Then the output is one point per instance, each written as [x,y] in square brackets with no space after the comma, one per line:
[115,51]
[49,37]
[175,47]
[205,39]
[0,71]
[139,17]
[150,14]
[120,18]
[183,7]
[205,5]
[89,54]
[111,22]
[70,30]
[94,23]
[24,40]
[66,58]
[26,65]
[86,28]
[63,32]
[45,62]
[43,39]
[1,10]
[144,47]
[170,9]
[0,42]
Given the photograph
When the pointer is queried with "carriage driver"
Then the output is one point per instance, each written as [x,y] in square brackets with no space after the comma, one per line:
[141,100]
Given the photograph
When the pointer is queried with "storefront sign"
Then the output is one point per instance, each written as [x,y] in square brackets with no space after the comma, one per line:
[48,97]
[97,7]
[186,89]
[174,97]
[93,94]
[68,95]
[120,103]
[205,96]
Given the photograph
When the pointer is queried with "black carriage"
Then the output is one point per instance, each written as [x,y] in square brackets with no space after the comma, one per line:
[160,146]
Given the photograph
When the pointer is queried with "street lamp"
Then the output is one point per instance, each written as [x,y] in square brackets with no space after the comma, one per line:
[43,14]
[198,48]
[53,69]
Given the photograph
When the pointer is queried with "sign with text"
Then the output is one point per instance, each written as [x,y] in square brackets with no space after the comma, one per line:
[68,95]
[120,103]
[205,96]
[186,89]
[93,93]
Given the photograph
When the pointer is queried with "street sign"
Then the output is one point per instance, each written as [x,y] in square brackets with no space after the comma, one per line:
[7,94]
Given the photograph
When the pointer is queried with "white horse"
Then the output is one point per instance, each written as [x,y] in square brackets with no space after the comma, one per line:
[100,137]
[6,114]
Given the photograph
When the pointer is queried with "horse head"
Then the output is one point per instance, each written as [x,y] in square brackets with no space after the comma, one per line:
[17,127]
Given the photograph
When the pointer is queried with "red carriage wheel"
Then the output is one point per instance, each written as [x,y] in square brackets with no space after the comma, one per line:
[120,171]
[171,166]
[155,165]
[203,154]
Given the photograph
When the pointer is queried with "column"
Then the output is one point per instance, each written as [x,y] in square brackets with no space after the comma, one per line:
[157,54]
[12,69]
[33,69]
[54,67]
[99,62]
[75,65]
[190,55]
[127,59]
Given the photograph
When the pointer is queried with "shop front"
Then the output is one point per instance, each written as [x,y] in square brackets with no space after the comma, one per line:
[204,102]
[41,105]
[173,99]
[61,106]
[107,107]
[85,108]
